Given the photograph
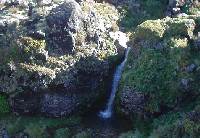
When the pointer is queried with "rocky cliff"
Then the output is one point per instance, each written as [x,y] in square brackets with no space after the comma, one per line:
[61,45]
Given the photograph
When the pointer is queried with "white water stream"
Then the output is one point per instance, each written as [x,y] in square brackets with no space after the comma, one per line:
[107,113]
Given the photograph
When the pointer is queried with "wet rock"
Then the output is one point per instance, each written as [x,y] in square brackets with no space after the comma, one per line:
[42,55]
[57,105]
[194,115]
[63,22]
[190,68]
[25,103]
[185,84]
[4,133]
[3,27]
[197,44]
[132,102]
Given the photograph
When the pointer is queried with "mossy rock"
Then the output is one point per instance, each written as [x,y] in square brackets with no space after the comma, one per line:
[31,44]
[180,27]
[153,31]
[158,69]
[150,30]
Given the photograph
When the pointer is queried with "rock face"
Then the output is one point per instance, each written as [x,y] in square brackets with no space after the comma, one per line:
[132,102]
[48,104]
[58,105]
[67,46]
[63,23]
[4,133]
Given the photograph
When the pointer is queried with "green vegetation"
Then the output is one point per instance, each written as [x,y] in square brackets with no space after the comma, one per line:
[4,106]
[62,133]
[157,70]
[158,66]
[83,134]
[148,9]
[38,127]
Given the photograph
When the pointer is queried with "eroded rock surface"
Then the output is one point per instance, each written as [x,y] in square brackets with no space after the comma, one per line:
[60,45]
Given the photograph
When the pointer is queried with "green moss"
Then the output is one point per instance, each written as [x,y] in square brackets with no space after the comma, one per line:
[35,130]
[29,68]
[185,128]
[35,127]
[147,10]
[130,134]
[4,106]
[31,45]
[157,69]
[180,27]
[20,50]
[155,75]
[152,30]
[83,134]
[62,133]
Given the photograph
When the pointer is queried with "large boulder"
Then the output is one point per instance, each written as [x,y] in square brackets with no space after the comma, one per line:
[67,46]
[159,66]
[63,23]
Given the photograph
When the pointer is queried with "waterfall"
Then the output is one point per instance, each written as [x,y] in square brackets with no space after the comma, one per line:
[107,113]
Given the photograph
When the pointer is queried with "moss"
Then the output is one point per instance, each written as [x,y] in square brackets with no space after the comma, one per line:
[148,9]
[4,106]
[155,75]
[31,44]
[62,133]
[83,134]
[35,130]
[37,69]
[152,30]
[180,27]
[130,134]
[157,70]
[35,127]
[185,128]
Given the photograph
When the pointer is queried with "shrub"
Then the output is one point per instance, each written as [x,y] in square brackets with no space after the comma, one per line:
[83,134]
[62,133]
[35,130]
[4,106]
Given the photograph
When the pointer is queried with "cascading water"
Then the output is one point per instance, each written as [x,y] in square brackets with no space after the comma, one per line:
[107,113]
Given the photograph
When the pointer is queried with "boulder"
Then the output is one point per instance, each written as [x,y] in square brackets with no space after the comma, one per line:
[151,32]
[67,46]
[26,103]
[57,105]
[63,23]
[4,133]
[132,102]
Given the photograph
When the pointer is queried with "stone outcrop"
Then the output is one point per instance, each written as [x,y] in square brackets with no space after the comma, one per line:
[156,47]
[67,46]
[55,103]
[132,102]
[63,23]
